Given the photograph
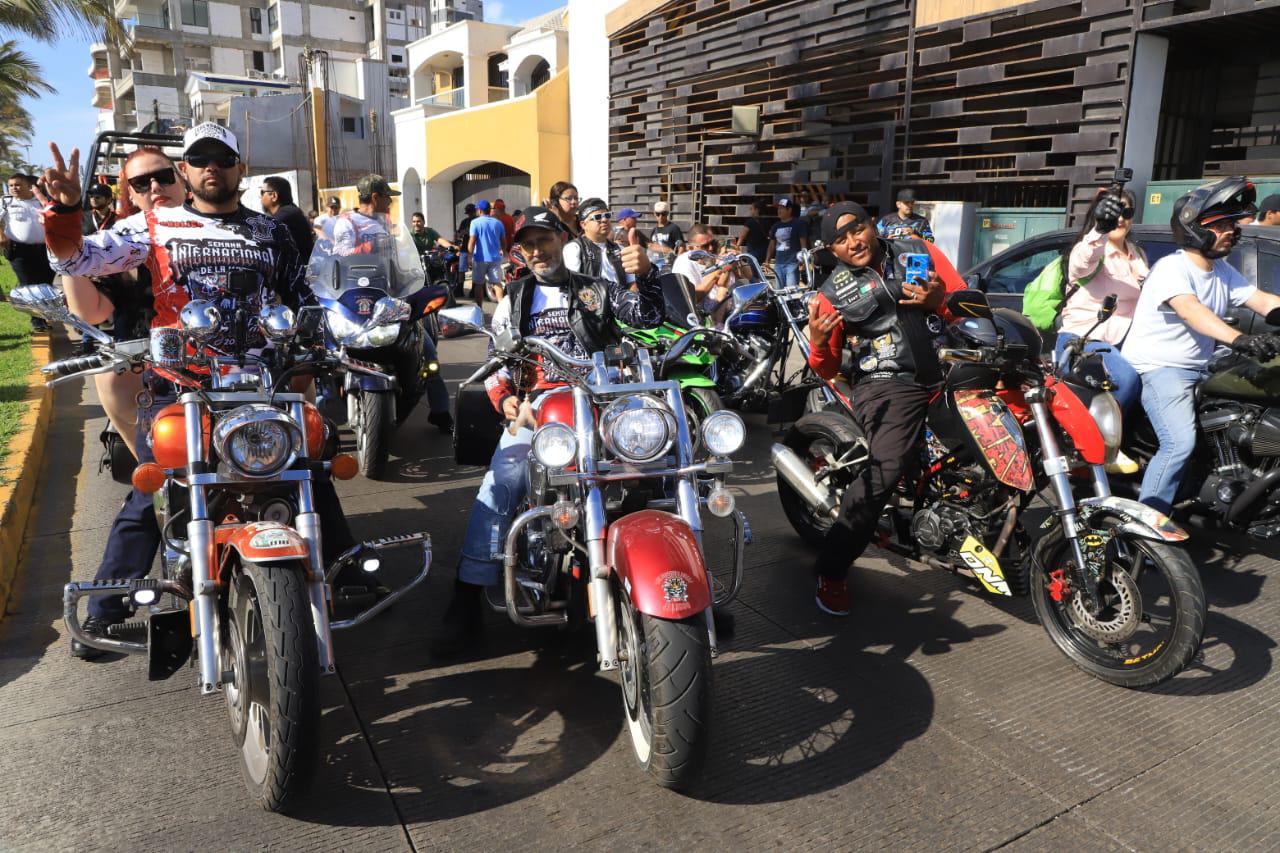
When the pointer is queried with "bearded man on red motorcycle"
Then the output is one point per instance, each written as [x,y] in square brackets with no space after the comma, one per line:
[892,324]
[580,315]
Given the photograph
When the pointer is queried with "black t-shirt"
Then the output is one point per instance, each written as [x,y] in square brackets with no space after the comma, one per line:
[757,240]
[464,231]
[668,235]
[292,217]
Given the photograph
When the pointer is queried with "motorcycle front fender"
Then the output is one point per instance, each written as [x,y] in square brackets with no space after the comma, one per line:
[1136,518]
[365,382]
[262,542]
[691,378]
[658,560]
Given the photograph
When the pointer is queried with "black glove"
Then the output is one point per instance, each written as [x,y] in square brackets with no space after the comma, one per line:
[1107,214]
[1260,347]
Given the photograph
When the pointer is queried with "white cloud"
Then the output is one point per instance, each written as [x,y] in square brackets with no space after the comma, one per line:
[496,12]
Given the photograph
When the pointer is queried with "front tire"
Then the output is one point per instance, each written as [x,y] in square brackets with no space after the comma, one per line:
[816,438]
[273,698]
[377,425]
[1152,620]
[666,691]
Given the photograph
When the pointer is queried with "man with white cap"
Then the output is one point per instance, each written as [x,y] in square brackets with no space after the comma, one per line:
[666,239]
[210,248]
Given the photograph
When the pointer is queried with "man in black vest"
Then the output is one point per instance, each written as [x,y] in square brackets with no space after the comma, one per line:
[594,254]
[891,324]
[579,314]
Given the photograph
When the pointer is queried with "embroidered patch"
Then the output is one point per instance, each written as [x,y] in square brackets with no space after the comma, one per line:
[589,299]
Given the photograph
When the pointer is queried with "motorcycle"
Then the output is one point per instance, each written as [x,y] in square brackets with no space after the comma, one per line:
[441,267]
[611,530]
[1233,475]
[376,305]
[243,589]
[1109,585]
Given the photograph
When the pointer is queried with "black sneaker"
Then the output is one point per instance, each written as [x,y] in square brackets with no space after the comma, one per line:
[442,421]
[463,622]
[94,627]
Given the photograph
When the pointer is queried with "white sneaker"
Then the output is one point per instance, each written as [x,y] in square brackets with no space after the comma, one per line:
[1123,465]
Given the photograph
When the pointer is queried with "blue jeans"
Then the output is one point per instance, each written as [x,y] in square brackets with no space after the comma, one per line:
[501,492]
[437,390]
[788,274]
[1168,395]
[1128,383]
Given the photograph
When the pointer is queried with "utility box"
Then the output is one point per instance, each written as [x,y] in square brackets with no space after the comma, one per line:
[1157,202]
[953,224]
[999,228]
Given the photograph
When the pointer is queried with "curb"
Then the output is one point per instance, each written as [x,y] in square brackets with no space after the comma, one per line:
[21,469]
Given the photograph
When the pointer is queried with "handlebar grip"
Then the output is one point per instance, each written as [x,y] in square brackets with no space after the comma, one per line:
[77,364]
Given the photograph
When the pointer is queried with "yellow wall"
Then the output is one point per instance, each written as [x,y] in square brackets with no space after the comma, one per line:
[530,134]
[350,198]
[937,11]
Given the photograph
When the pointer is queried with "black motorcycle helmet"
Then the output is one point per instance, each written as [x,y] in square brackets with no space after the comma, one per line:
[1228,198]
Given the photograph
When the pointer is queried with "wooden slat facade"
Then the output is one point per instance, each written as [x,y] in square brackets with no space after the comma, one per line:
[1022,107]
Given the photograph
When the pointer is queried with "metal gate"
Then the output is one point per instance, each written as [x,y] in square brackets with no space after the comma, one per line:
[490,182]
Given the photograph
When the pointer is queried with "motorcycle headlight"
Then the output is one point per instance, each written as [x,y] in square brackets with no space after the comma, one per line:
[555,445]
[344,330]
[1107,415]
[257,440]
[723,433]
[637,428]
[379,336]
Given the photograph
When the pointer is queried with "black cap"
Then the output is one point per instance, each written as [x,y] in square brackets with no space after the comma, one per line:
[333,201]
[906,195]
[590,206]
[98,189]
[540,218]
[1270,204]
[830,231]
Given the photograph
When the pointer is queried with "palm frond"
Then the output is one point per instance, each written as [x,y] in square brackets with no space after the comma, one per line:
[19,74]
[49,19]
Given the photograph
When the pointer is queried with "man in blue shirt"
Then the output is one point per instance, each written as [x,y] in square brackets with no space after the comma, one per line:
[787,237]
[485,246]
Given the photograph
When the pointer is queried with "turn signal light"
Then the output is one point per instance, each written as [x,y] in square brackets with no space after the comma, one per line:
[148,478]
[344,466]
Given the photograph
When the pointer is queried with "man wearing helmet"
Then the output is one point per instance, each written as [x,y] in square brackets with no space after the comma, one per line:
[1178,322]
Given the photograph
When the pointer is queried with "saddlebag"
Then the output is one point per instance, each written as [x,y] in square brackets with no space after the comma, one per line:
[477,426]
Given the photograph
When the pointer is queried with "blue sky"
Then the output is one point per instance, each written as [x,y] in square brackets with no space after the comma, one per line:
[67,118]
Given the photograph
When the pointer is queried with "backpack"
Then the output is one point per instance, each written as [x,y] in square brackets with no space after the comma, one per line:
[1043,299]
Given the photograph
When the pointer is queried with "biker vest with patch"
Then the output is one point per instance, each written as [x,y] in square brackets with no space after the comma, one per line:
[889,341]
[594,258]
[590,316]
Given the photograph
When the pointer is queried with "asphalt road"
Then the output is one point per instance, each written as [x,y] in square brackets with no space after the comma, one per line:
[931,718]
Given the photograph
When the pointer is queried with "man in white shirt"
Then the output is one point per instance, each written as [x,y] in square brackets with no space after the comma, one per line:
[1178,322]
[326,220]
[22,237]
[710,289]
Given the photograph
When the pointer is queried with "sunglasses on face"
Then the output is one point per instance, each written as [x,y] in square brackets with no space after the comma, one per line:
[1126,213]
[600,217]
[142,183]
[201,161]
[709,246]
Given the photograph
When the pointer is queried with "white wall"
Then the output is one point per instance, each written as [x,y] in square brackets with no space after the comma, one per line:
[291,18]
[589,95]
[224,20]
[1151,54]
[150,60]
[330,23]
[228,60]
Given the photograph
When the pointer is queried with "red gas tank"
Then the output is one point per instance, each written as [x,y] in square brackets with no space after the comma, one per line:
[556,407]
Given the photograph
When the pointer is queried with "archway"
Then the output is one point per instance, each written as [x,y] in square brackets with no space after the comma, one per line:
[410,195]
[532,72]
[491,181]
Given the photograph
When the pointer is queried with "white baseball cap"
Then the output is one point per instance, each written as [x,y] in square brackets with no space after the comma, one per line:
[661,207]
[206,133]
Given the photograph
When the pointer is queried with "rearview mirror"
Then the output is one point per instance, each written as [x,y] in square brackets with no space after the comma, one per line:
[969,303]
[41,300]
[1108,306]
[1272,318]
[456,321]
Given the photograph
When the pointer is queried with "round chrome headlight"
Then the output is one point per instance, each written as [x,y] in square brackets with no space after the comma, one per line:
[555,445]
[380,336]
[1110,420]
[723,433]
[638,428]
[257,440]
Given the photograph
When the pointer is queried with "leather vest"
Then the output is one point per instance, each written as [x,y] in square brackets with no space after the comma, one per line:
[590,315]
[594,259]
[889,341]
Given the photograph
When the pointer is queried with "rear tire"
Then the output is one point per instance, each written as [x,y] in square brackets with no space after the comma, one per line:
[666,691]
[812,437]
[378,424]
[273,699]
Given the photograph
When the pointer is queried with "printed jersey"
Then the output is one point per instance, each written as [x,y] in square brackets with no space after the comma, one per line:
[193,255]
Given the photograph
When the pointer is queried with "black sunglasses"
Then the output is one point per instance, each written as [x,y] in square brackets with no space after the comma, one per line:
[1126,213]
[222,161]
[163,177]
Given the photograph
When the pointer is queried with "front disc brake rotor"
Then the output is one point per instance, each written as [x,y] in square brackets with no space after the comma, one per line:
[1119,616]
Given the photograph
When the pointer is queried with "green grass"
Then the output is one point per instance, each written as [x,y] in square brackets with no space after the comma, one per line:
[15,362]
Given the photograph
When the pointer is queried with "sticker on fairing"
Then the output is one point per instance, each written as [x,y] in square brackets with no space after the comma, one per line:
[985,566]
[675,588]
[998,435]
[270,539]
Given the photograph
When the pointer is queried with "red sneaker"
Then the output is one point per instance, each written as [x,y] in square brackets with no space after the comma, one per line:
[832,596]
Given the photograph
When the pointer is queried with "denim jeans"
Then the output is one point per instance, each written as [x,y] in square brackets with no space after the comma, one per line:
[437,390]
[501,492]
[1168,395]
[1128,383]
[788,274]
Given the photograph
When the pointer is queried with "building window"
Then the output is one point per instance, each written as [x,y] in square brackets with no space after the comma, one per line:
[273,17]
[255,21]
[195,13]
[397,57]
[259,61]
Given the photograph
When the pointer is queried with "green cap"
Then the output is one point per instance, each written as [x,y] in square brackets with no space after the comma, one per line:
[370,184]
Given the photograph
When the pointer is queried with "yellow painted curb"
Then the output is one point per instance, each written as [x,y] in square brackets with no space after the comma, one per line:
[21,469]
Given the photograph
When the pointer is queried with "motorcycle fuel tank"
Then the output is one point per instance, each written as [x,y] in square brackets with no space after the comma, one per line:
[1245,380]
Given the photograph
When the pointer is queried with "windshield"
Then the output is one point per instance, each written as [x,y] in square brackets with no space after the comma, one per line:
[365,252]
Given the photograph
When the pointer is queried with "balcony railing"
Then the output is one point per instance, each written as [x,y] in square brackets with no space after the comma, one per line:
[453,98]
[498,93]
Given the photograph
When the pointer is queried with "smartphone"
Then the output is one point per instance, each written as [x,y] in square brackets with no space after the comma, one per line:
[917,267]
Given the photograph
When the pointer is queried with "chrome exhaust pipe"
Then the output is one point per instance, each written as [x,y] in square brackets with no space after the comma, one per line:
[792,469]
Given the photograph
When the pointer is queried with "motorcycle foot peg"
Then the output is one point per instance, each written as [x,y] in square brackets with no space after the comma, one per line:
[125,629]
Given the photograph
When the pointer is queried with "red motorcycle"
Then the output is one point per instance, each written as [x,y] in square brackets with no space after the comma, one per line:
[611,531]
[1109,585]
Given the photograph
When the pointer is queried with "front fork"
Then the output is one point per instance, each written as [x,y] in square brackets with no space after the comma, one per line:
[1056,466]
[200,542]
